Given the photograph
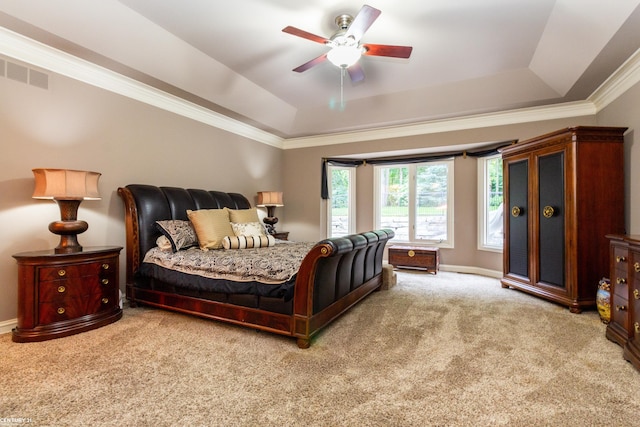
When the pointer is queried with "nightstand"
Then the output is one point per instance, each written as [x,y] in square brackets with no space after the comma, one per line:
[282,235]
[64,294]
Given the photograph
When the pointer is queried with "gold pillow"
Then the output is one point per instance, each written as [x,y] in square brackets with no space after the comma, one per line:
[211,225]
[242,215]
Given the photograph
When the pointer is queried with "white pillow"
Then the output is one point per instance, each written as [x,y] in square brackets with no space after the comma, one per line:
[248,229]
[164,243]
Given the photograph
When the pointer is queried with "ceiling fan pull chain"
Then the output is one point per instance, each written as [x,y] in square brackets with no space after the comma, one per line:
[342,71]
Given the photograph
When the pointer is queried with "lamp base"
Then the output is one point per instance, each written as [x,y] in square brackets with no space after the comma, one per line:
[68,232]
[270,222]
[68,227]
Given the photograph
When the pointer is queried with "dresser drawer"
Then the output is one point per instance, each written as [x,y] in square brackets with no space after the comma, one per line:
[72,308]
[620,310]
[76,270]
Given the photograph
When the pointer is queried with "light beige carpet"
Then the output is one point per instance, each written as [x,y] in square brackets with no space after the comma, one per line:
[445,350]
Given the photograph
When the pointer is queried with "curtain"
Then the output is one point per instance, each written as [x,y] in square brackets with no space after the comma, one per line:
[484,151]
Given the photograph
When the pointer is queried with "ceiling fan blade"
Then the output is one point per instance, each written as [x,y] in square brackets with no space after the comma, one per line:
[387,50]
[305,35]
[312,63]
[356,73]
[362,22]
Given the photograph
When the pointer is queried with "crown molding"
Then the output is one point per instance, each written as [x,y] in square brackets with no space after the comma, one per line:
[533,114]
[27,50]
[626,76]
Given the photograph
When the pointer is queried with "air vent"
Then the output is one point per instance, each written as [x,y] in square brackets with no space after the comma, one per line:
[38,79]
[17,72]
[23,74]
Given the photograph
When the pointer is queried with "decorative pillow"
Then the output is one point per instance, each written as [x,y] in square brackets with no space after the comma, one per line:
[180,234]
[248,229]
[245,242]
[163,243]
[243,215]
[211,225]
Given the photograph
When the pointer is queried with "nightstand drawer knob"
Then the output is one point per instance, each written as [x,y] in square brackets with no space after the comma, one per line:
[636,294]
[636,326]
[61,310]
[621,258]
[62,273]
[411,253]
[621,280]
[105,300]
[636,267]
[621,308]
[105,266]
[105,281]
[61,289]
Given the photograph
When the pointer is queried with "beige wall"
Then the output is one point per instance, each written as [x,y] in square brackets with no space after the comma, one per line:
[73,125]
[625,111]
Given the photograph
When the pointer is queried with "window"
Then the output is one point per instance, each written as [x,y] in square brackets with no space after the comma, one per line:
[341,206]
[490,209]
[416,202]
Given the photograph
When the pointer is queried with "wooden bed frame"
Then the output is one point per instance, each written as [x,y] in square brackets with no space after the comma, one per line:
[335,275]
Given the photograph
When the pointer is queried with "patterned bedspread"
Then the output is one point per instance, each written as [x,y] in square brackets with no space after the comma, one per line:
[271,265]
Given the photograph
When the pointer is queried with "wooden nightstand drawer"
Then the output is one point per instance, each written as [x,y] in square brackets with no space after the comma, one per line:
[64,294]
[68,271]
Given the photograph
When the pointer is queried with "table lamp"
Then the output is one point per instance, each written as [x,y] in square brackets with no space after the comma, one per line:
[270,200]
[68,188]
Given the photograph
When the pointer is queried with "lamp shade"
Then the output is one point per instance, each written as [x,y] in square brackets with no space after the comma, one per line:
[270,198]
[65,184]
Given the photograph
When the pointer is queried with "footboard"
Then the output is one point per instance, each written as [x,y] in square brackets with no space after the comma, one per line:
[335,275]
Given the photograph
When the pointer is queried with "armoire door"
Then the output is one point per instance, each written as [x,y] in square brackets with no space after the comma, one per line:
[551,219]
[518,223]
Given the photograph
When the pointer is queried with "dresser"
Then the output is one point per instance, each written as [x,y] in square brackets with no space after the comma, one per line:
[624,326]
[564,192]
[64,294]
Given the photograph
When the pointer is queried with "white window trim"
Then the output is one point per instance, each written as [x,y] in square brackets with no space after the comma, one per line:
[482,205]
[351,224]
[449,243]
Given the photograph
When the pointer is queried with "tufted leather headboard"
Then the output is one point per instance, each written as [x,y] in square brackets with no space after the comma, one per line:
[161,203]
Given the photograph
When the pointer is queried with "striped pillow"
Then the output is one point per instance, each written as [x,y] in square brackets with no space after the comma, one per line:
[245,242]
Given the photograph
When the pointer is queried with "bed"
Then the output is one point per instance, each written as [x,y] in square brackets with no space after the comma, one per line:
[308,285]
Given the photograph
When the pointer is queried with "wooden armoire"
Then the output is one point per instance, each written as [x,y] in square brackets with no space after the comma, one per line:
[563,193]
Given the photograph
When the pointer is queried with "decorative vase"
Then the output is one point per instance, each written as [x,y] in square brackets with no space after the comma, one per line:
[603,300]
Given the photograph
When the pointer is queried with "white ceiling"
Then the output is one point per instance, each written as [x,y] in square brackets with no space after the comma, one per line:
[469,56]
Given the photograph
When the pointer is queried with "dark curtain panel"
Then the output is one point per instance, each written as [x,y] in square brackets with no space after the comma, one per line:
[484,151]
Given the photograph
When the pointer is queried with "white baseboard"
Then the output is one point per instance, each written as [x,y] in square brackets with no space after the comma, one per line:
[472,270]
[7,325]
[496,274]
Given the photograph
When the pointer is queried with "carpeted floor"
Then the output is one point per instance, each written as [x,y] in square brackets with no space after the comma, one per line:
[445,350]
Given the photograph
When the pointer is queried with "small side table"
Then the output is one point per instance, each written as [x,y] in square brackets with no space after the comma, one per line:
[64,294]
[415,257]
[282,235]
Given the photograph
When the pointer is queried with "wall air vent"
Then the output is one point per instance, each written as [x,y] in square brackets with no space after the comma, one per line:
[23,74]
[38,79]
[17,72]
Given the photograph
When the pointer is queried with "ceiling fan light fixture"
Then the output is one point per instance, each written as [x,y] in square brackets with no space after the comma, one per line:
[344,56]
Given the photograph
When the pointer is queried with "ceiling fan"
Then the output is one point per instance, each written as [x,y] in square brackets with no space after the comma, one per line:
[345,45]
